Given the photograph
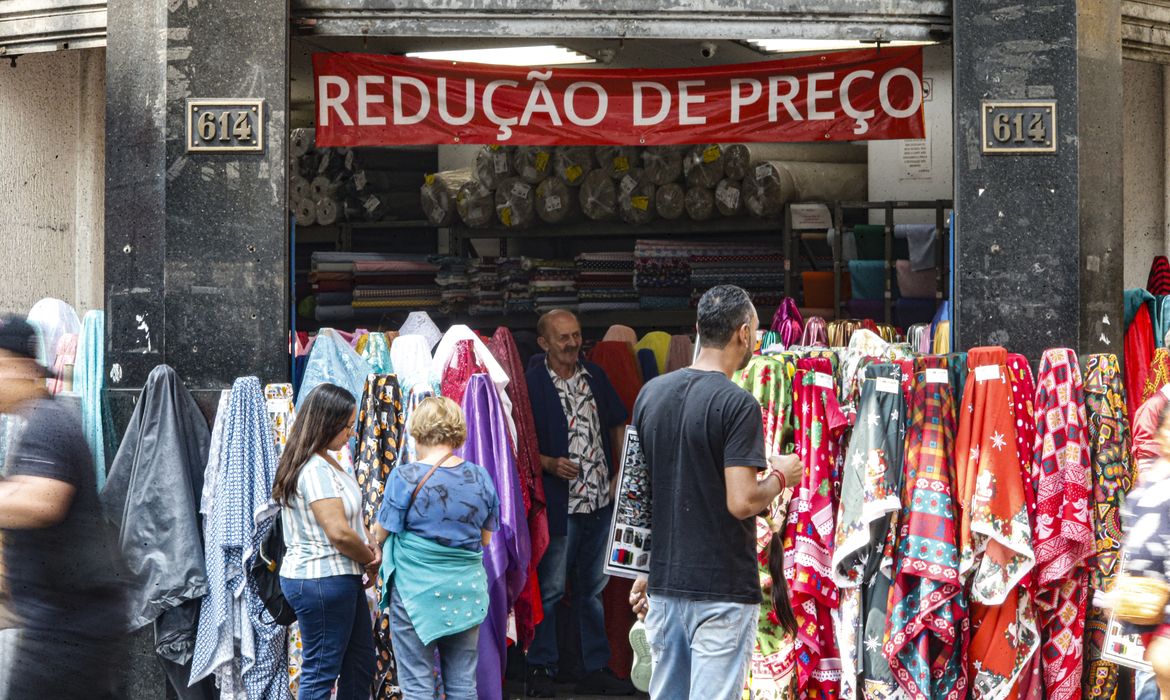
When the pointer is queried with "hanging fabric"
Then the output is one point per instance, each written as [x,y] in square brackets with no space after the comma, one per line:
[376,351]
[411,355]
[870,498]
[235,642]
[815,334]
[1113,476]
[681,353]
[769,380]
[89,382]
[445,356]
[1139,346]
[333,361]
[507,556]
[621,334]
[925,644]
[63,365]
[1158,283]
[647,363]
[420,323]
[381,424]
[808,535]
[54,318]
[788,322]
[994,533]
[1064,537]
[658,343]
[1159,375]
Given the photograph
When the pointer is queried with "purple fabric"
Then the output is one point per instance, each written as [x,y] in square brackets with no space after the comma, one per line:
[506,558]
[788,323]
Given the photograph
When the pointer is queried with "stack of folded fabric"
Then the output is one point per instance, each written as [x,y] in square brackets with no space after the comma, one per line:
[486,295]
[454,284]
[662,274]
[757,269]
[605,282]
[552,284]
[513,278]
[394,282]
[331,277]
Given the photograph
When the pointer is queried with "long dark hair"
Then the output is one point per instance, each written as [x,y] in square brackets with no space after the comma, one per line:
[781,602]
[325,413]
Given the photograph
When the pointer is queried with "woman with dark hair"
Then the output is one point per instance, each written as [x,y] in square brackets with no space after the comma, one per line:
[327,550]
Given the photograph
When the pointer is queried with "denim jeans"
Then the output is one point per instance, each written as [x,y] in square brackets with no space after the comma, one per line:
[578,559]
[700,648]
[337,636]
[1145,687]
[458,655]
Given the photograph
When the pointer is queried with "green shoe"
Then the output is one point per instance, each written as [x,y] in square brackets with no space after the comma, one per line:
[643,666]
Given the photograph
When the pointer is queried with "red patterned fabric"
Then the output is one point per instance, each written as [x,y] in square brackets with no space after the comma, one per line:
[529,612]
[458,371]
[1158,283]
[1064,537]
[1139,351]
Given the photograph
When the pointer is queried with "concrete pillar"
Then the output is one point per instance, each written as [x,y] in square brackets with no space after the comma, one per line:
[1039,237]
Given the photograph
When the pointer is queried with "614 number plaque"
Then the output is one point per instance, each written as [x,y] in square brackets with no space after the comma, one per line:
[1019,127]
[225,126]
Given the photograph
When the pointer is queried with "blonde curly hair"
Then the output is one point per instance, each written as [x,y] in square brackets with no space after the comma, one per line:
[438,421]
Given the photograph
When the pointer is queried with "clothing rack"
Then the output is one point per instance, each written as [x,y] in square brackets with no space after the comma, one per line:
[942,245]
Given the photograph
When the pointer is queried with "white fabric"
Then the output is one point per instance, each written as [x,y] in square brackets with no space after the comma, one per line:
[54,318]
[499,377]
[211,474]
[410,355]
[420,323]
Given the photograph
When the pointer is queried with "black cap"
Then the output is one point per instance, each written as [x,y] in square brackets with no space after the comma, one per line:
[18,336]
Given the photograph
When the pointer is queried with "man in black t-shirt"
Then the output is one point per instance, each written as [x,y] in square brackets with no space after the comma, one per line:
[703,440]
[59,555]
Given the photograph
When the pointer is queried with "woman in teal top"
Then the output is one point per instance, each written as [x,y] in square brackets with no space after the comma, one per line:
[437,514]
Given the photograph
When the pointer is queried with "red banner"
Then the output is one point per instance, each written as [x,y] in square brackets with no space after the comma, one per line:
[377,100]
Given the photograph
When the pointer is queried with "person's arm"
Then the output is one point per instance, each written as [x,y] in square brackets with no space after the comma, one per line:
[639,603]
[561,467]
[380,534]
[330,514]
[747,495]
[34,502]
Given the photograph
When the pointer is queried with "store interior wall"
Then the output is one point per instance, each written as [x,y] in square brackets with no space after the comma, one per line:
[52,106]
[1144,168]
[911,170]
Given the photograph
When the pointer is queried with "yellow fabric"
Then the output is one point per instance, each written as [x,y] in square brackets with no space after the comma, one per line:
[942,338]
[363,340]
[658,343]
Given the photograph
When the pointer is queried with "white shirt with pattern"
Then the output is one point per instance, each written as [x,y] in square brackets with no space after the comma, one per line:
[309,553]
[589,491]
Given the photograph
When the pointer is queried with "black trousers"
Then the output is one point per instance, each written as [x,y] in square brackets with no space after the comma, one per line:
[61,666]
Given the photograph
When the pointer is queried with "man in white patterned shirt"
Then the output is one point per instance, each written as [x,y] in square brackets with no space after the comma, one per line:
[579,421]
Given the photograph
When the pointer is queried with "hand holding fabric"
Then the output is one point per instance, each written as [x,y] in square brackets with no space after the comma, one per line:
[638,600]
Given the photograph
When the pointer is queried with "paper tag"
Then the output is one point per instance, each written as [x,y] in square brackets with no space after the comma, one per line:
[886,385]
[349,161]
[642,203]
[520,189]
[986,372]
[481,190]
[938,376]
[711,154]
[541,161]
[359,180]
[278,405]
[763,170]
[429,179]
[372,203]
[729,196]
[628,184]
[506,215]
[553,203]
[501,160]
[573,173]
[824,381]
[621,164]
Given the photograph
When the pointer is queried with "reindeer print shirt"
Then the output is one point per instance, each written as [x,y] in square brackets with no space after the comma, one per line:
[452,508]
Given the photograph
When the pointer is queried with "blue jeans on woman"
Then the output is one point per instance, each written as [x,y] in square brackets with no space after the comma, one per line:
[458,657]
[337,636]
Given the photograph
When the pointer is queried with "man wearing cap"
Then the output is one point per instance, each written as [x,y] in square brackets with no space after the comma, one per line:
[61,571]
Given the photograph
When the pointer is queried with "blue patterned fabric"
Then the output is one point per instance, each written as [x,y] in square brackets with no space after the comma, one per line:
[232,617]
[333,361]
[89,382]
[377,353]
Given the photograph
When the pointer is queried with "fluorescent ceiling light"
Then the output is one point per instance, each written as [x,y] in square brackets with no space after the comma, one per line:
[815,45]
[515,56]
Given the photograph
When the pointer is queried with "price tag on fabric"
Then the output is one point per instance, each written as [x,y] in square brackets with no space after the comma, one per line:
[553,203]
[541,162]
[349,160]
[642,203]
[573,173]
[501,159]
[628,184]
[886,385]
[621,164]
[429,179]
[730,197]
[360,181]
[823,380]
[372,203]
[937,376]
[987,372]
[764,171]
[712,153]
[520,189]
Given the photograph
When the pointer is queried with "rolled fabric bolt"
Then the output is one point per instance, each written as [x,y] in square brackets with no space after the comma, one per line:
[729,197]
[307,213]
[492,165]
[515,203]
[299,187]
[331,163]
[438,194]
[301,141]
[664,164]
[617,161]
[636,198]
[700,203]
[532,164]
[739,158]
[392,159]
[598,196]
[703,165]
[774,184]
[322,187]
[328,211]
[556,202]
[670,201]
[573,163]
[476,204]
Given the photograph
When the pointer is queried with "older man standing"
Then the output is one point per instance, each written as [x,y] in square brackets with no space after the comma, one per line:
[579,420]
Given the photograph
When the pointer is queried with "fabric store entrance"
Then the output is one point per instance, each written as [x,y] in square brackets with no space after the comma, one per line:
[397,236]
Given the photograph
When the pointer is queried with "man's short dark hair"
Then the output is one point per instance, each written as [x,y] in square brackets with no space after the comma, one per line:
[722,310]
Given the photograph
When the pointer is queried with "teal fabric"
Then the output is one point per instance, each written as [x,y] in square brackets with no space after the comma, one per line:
[1134,298]
[377,353]
[89,383]
[443,588]
[868,279]
[1161,320]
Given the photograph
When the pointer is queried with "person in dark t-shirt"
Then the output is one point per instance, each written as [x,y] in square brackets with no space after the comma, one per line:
[62,575]
[703,440]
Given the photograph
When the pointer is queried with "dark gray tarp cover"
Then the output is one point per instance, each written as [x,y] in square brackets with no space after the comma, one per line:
[152,496]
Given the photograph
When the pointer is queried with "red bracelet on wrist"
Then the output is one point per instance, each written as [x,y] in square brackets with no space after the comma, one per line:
[779,477]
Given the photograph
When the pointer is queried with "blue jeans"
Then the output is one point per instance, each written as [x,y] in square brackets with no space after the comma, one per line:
[578,558]
[337,636]
[1145,687]
[458,655]
[700,648]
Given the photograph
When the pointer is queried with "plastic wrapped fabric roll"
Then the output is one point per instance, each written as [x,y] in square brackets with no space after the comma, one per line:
[492,165]
[532,164]
[636,198]
[703,165]
[664,164]
[776,183]
[307,213]
[299,187]
[476,204]
[739,158]
[330,163]
[438,194]
[700,203]
[617,161]
[556,202]
[598,196]
[322,187]
[573,163]
[328,211]
[516,203]
[670,201]
[301,141]
[729,197]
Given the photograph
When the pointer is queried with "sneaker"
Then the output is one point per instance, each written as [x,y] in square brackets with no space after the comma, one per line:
[603,682]
[540,683]
[640,671]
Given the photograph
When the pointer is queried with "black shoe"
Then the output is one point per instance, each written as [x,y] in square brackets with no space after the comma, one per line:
[603,682]
[540,683]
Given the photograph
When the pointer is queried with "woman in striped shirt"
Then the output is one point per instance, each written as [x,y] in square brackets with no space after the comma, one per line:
[328,550]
